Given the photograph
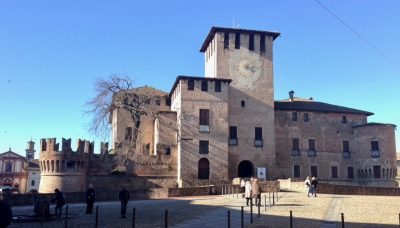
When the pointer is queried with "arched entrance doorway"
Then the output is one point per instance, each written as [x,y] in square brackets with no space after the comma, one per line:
[245,169]
[204,169]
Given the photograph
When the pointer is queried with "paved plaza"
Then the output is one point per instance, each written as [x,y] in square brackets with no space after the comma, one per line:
[323,211]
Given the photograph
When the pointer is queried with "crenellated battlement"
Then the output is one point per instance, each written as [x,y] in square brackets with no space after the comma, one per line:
[82,146]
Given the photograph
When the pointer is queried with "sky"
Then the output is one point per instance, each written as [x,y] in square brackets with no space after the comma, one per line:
[343,52]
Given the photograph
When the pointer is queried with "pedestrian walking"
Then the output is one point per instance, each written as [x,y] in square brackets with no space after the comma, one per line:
[314,184]
[256,191]
[5,213]
[243,186]
[90,193]
[307,185]
[124,197]
[247,193]
[60,202]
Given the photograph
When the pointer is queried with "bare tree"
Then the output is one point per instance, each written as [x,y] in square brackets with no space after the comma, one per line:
[116,100]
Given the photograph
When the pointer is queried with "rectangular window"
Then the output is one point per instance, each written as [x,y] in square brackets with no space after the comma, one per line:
[237,41]
[146,101]
[168,101]
[217,86]
[168,151]
[251,42]
[204,85]
[8,167]
[350,172]
[344,120]
[226,40]
[204,116]
[311,147]
[190,84]
[334,172]
[375,149]
[377,171]
[314,171]
[262,43]
[294,116]
[296,148]
[296,170]
[33,183]
[346,150]
[233,135]
[305,117]
[128,133]
[157,102]
[203,147]
[258,137]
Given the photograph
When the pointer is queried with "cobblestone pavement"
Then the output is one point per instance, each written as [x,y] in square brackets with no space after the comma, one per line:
[323,211]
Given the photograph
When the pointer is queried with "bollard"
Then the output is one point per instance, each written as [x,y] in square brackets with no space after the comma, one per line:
[251,210]
[242,217]
[277,196]
[97,216]
[291,220]
[223,188]
[259,210]
[273,198]
[66,216]
[237,193]
[265,203]
[399,219]
[229,219]
[269,199]
[342,220]
[166,218]
[133,217]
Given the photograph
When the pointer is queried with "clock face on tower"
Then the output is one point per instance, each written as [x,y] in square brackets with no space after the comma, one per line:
[245,66]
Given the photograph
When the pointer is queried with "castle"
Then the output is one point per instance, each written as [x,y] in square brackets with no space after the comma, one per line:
[227,125]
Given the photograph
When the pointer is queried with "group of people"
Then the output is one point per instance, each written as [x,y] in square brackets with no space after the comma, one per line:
[311,185]
[251,190]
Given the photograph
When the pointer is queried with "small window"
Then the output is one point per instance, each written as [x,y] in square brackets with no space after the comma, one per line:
[262,43]
[258,142]
[204,116]
[334,172]
[314,171]
[217,86]
[294,116]
[251,42]
[296,150]
[375,149]
[8,167]
[157,102]
[29,154]
[190,84]
[350,172]
[344,120]
[128,133]
[296,170]
[33,183]
[305,117]
[377,171]
[311,147]
[226,40]
[203,147]
[233,135]
[243,104]
[167,151]
[146,101]
[237,41]
[168,101]
[16,186]
[204,85]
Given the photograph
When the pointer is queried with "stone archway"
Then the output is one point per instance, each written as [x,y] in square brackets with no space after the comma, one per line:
[245,169]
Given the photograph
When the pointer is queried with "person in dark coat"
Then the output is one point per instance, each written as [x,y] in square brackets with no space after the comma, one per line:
[60,202]
[90,199]
[124,197]
[5,213]
[314,184]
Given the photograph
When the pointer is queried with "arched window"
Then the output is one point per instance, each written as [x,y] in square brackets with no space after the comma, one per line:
[204,169]
[242,104]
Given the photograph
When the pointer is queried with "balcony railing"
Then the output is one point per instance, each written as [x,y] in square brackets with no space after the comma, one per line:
[375,153]
[346,154]
[312,153]
[233,141]
[258,143]
[295,153]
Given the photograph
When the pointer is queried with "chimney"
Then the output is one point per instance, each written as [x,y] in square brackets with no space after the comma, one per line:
[291,95]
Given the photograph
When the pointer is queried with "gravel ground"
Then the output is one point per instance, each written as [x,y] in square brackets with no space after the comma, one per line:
[149,213]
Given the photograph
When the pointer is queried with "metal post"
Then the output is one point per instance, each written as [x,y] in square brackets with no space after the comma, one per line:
[251,211]
[291,220]
[269,199]
[66,216]
[273,198]
[229,193]
[259,209]
[342,220]
[166,218]
[265,203]
[133,217]
[223,188]
[276,194]
[399,219]
[97,216]
[237,193]
[242,214]
[229,219]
